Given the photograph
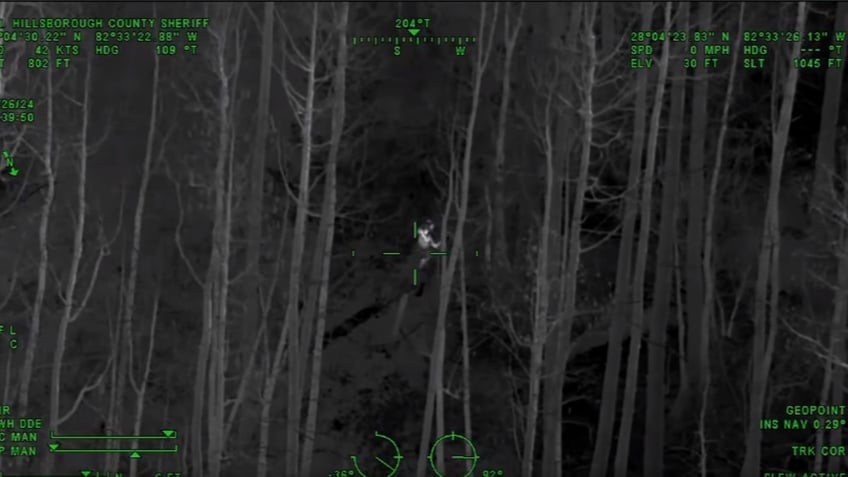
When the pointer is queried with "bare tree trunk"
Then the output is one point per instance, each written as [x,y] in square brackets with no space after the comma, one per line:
[216,397]
[9,392]
[824,198]
[219,270]
[466,355]
[212,356]
[328,220]
[665,268]
[304,111]
[435,388]
[73,275]
[542,295]
[124,363]
[837,349]
[622,293]
[50,162]
[257,171]
[141,389]
[293,316]
[6,9]
[542,342]
[200,381]
[628,406]
[113,408]
[254,210]
[707,266]
[261,341]
[825,173]
[132,279]
[697,331]
[572,246]
[564,175]
[509,38]
[832,371]
[137,226]
[768,278]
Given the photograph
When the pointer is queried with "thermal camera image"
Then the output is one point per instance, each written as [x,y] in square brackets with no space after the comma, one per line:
[423,239]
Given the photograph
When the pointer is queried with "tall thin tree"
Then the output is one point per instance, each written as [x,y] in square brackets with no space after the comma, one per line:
[327,229]
[622,291]
[768,278]
[50,161]
[665,267]
[510,36]
[709,226]
[572,245]
[697,331]
[253,282]
[304,107]
[73,305]
[435,388]
[637,309]
[825,165]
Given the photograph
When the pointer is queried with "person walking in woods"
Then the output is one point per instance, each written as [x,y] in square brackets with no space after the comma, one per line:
[428,241]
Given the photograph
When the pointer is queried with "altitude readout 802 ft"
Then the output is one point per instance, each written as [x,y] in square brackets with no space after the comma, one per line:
[63,53]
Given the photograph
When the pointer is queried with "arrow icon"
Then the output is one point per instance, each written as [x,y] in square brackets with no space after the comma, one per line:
[135,455]
[13,171]
[413,31]
[169,433]
[85,473]
[54,446]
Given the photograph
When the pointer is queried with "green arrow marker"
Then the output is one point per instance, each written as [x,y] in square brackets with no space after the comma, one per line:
[135,455]
[54,446]
[85,473]
[413,31]
[169,433]
[13,172]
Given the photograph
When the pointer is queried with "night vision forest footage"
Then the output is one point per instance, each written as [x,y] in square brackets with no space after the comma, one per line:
[423,239]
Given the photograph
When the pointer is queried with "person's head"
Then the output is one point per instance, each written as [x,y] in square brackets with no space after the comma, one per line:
[427,237]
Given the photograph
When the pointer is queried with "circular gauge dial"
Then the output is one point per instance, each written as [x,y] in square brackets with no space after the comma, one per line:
[385,461]
[460,456]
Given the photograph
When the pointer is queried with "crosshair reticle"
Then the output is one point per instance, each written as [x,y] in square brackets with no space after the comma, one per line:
[459,448]
[426,244]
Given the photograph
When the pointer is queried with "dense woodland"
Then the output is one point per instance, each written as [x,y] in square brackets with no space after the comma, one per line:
[641,263]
